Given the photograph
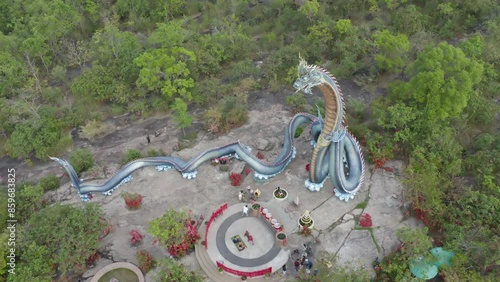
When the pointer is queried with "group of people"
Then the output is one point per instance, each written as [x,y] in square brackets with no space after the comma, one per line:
[303,261]
[242,196]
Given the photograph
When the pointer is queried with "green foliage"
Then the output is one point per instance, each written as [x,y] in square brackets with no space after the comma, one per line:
[442,80]
[242,69]
[310,8]
[62,236]
[29,201]
[392,50]
[116,50]
[81,160]
[41,137]
[131,155]
[93,129]
[155,10]
[409,20]
[166,71]
[169,229]
[182,118]
[49,182]
[344,27]
[12,74]
[297,102]
[170,270]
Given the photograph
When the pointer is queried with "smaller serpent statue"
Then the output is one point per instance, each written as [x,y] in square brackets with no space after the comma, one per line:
[336,153]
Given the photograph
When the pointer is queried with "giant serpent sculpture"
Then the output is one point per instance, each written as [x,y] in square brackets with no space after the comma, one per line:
[336,153]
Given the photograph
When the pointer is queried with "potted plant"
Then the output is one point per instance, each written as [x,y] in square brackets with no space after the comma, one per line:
[256,209]
[280,194]
[221,270]
[281,239]
[268,275]
[306,221]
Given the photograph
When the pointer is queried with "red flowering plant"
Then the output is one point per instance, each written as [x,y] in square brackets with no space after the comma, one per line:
[136,237]
[132,200]
[365,220]
[235,178]
[145,260]
[176,231]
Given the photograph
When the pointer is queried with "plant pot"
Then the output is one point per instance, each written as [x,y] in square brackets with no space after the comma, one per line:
[256,210]
[279,198]
[301,226]
[281,239]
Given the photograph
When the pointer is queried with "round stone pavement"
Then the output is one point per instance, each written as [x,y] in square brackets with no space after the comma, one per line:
[264,249]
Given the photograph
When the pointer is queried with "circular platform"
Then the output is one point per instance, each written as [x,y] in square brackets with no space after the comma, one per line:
[261,252]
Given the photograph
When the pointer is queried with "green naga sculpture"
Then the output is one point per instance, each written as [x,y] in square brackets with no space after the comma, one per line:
[336,152]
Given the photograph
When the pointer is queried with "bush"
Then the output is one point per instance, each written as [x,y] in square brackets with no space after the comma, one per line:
[61,237]
[132,200]
[93,129]
[235,178]
[297,102]
[145,260]
[131,155]
[136,237]
[175,231]
[49,182]
[81,160]
[365,220]
[29,201]
[170,270]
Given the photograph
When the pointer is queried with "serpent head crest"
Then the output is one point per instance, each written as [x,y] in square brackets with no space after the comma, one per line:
[308,77]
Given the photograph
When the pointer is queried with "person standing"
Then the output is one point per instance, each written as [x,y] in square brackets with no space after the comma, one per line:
[245,211]
[283,268]
[240,195]
[149,140]
[296,264]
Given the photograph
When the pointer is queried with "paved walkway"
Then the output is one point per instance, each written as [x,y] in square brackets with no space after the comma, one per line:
[262,254]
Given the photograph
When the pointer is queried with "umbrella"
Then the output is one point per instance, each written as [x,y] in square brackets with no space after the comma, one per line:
[442,257]
[422,269]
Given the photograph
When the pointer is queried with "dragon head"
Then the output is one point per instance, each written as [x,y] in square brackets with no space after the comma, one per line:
[309,76]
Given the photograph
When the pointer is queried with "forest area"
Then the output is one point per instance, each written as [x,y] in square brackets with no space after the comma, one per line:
[433,68]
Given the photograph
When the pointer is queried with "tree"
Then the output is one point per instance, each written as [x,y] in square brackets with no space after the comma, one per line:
[392,50]
[169,229]
[166,71]
[442,80]
[12,74]
[116,50]
[170,270]
[409,20]
[65,237]
[182,118]
[310,8]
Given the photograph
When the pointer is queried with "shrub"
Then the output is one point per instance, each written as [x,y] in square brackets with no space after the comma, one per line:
[131,155]
[297,102]
[136,237]
[298,132]
[175,231]
[49,182]
[91,259]
[152,153]
[259,155]
[132,200]
[235,178]
[145,260]
[81,160]
[54,235]
[170,270]
[306,231]
[29,201]
[365,220]
[93,129]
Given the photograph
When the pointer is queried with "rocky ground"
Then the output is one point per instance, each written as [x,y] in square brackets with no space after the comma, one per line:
[335,221]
